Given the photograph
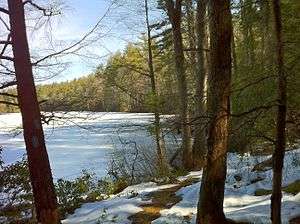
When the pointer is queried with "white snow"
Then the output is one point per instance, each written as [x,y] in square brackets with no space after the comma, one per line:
[117,208]
[85,140]
[78,140]
[240,204]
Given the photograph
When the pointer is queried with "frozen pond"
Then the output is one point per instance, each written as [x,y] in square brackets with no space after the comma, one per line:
[79,140]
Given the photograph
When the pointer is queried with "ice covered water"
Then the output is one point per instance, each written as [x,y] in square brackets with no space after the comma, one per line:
[78,141]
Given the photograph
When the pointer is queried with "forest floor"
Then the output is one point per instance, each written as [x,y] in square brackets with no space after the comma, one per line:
[247,197]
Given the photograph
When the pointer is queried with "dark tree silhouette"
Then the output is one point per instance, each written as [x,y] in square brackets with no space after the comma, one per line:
[278,156]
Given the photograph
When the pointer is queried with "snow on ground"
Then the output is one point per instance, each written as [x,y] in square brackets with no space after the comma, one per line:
[85,140]
[78,140]
[240,203]
[115,209]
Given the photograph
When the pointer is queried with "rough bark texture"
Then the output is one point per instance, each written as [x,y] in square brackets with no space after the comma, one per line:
[278,156]
[210,207]
[174,13]
[199,146]
[160,144]
[39,167]
[191,37]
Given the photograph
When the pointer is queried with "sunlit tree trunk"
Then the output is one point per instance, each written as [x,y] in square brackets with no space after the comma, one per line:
[199,146]
[210,206]
[174,13]
[39,167]
[278,156]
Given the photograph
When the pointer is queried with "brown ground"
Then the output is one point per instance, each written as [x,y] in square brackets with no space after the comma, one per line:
[165,199]
[162,199]
[295,220]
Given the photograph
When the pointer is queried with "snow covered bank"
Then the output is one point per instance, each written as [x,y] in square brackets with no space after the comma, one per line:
[115,209]
[240,203]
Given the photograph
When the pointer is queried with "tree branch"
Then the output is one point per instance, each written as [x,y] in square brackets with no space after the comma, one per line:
[2,57]
[46,12]
[8,94]
[9,103]
[8,84]
[5,42]
[264,107]
[65,51]
[4,23]
[4,10]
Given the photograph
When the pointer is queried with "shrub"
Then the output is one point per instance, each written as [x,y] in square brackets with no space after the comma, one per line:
[16,201]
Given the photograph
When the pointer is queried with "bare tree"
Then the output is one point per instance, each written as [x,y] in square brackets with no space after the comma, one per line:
[210,206]
[160,145]
[278,156]
[40,173]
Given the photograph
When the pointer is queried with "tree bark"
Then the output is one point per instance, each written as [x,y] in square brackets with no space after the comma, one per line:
[160,143]
[191,37]
[233,53]
[278,156]
[199,146]
[247,32]
[267,37]
[210,206]
[40,173]
[174,13]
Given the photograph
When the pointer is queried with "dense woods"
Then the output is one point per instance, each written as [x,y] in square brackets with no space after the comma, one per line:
[228,71]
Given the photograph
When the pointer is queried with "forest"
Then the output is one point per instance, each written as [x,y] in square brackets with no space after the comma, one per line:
[193,119]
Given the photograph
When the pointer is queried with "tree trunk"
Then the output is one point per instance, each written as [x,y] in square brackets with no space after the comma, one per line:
[39,167]
[278,156]
[233,53]
[210,206]
[199,146]
[247,32]
[268,39]
[174,13]
[190,20]
[160,143]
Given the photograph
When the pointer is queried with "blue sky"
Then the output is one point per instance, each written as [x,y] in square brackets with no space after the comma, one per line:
[123,23]
[78,18]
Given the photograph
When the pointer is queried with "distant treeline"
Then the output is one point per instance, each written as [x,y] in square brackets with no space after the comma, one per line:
[122,84]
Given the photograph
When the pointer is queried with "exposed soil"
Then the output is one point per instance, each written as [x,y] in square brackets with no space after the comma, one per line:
[162,199]
[295,220]
[165,199]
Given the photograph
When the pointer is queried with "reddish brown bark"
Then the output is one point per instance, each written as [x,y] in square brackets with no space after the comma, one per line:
[39,167]
[278,156]
[210,207]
